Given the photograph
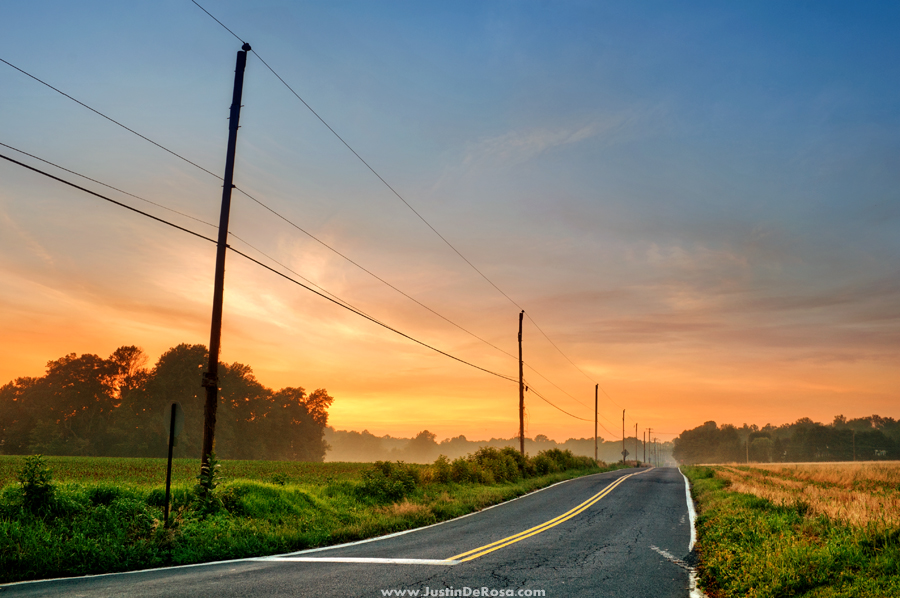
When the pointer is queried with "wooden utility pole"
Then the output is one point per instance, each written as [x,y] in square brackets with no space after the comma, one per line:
[644,442]
[635,441]
[596,386]
[521,391]
[623,437]
[211,376]
[649,433]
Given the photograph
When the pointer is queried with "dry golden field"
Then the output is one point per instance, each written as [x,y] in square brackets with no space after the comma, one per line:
[859,493]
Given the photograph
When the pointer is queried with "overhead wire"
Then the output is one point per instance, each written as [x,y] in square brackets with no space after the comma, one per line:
[259,263]
[555,406]
[159,205]
[59,91]
[397,194]
[174,211]
[262,204]
[251,197]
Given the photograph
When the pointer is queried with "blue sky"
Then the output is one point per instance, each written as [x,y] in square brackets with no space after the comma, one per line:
[697,201]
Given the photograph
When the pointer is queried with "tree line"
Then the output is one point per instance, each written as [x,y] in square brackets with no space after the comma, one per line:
[863,439]
[118,407]
[349,445]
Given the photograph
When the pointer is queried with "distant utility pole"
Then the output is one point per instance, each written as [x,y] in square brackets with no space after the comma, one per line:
[521,391]
[649,433]
[211,375]
[854,445]
[623,437]
[596,386]
[635,441]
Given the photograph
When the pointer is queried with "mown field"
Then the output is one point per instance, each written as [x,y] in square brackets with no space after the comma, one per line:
[96,515]
[812,530]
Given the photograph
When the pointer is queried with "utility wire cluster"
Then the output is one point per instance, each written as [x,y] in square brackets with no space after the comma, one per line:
[310,286]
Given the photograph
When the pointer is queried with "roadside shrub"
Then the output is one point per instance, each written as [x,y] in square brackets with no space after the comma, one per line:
[543,464]
[501,465]
[442,470]
[37,483]
[388,482]
[462,472]
[520,460]
[279,478]
[566,460]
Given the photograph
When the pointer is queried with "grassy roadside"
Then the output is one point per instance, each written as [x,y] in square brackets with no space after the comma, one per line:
[116,525]
[752,547]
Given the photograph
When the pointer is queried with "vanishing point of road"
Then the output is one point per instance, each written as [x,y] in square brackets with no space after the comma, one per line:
[620,534]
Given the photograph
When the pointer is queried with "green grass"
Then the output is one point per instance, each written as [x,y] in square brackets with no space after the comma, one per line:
[149,472]
[750,547]
[106,515]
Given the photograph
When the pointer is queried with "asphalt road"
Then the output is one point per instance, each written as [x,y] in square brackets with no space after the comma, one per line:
[624,534]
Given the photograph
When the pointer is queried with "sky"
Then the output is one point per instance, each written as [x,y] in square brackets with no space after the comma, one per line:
[697,202]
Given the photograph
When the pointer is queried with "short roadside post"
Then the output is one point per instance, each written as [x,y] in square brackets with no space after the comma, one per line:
[176,423]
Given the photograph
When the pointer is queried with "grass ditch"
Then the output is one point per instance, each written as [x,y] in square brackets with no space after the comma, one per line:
[53,528]
[750,546]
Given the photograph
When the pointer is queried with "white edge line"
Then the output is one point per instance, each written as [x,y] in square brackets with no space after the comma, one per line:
[272,557]
[694,588]
[339,559]
[691,512]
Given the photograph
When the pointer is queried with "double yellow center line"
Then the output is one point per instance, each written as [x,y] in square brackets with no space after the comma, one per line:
[488,548]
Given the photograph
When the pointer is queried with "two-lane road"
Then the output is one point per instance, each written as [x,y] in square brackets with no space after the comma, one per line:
[618,534]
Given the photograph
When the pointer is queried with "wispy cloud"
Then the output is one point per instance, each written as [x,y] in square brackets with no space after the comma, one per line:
[25,239]
[518,146]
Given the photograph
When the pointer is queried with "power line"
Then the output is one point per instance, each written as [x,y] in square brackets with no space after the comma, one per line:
[110,119]
[398,195]
[159,205]
[372,274]
[219,22]
[118,203]
[262,204]
[333,298]
[267,267]
[541,397]
[248,195]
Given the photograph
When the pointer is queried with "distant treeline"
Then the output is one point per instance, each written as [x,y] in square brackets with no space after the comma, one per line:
[423,448]
[92,406]
[863,439]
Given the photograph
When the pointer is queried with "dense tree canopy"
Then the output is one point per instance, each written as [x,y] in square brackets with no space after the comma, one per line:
[88,405]
[863,439]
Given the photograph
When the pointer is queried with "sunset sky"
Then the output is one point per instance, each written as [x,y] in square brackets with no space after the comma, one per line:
[698,202]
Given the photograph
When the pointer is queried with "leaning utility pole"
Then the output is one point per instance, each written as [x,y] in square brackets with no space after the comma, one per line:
[596,386]
[623,437]
[211,375]
[521,391]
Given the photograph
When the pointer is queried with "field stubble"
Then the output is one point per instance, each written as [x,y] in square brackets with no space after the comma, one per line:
[858,493]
